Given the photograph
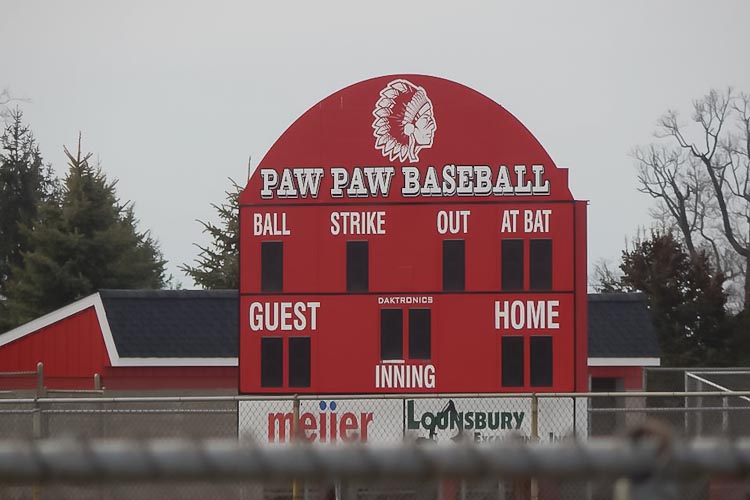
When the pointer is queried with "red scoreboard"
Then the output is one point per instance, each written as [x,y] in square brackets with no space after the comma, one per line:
[409,235]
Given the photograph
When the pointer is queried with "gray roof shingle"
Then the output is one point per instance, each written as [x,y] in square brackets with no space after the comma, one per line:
[173,323]
[620,327]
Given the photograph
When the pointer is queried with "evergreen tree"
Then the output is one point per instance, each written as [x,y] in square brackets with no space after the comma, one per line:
[87,241]
[685,297]
[217,265]
[25,183]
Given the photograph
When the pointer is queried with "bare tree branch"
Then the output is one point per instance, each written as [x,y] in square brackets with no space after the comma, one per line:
[700,172]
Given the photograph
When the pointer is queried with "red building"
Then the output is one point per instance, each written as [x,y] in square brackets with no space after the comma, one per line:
[408,234]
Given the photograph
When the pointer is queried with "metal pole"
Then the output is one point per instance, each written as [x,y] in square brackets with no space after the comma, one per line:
[36,489]
[295,427]
[101,462]
[305,397]
[685,417]
[40,392]
[534,439]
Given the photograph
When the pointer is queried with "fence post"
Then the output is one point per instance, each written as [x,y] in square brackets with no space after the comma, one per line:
[295,427]
[40,390]
[699,417]
[37,423]
[40,393]
[685,417]
[534,438]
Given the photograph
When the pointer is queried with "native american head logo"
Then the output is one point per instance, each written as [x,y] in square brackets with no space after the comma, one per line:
[404,122]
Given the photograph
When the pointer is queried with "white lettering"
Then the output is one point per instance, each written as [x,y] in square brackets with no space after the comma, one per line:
[540,186]
[536,221]
[503,186]
[431,186]
[256,316]
[294,182]
[356,187]
[300,320]
[449,180]
[405,300]
[272,316]
[340,180]
[453,221]
[270,179]
[286,186]
[465,175]
[510,218]
[473,180]
[308,180]
[379,180]
[286,315]
[362,182]
[522,187]
[483,179]
[411,181]
[530,314]
[552,314]
[399,375]
[270,225]
[357,223]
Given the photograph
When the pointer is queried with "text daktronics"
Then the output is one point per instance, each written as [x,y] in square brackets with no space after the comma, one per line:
[371,182]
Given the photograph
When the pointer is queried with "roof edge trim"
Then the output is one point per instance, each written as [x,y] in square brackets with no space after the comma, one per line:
[156,362]
[94,300]
[51,318]
[624,361]
[109,339]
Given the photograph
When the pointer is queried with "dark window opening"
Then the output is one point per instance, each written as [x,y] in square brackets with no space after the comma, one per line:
[299,362]
[540,352]
[606,423]
[512,361]
[357,266]
[540,262]
[391,334]
[512,265]
[454,265]
[271,266]
[419,334]
[271,363]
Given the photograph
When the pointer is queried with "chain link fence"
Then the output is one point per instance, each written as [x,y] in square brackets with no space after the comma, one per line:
[415,421]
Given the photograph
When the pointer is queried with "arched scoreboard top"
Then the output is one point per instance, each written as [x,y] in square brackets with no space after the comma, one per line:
[408,234]
[405,138]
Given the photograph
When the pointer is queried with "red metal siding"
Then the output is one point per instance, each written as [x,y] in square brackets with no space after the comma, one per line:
[170,377]
[71,349]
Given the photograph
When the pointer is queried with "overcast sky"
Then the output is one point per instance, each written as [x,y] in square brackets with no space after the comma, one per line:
[173,97]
